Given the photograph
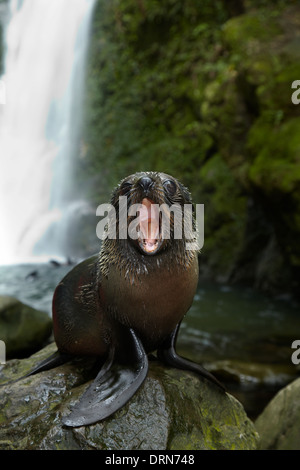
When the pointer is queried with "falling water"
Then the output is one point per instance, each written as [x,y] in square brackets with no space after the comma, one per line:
[46,43]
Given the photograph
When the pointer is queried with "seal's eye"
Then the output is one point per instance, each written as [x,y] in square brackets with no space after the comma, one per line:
[170,187]
[125,187]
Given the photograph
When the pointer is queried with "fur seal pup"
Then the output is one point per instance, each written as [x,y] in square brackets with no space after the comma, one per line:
[130,299]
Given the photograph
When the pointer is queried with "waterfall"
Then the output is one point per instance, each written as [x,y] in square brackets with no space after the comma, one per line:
[45,49]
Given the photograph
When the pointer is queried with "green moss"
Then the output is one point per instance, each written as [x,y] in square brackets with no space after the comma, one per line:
[190,441]
[277,149]
[225,214]
[145,83]
[250,27]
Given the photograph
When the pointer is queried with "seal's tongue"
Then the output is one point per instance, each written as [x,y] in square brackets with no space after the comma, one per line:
[149,225]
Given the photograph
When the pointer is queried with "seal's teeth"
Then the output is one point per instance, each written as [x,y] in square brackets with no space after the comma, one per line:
[149,228]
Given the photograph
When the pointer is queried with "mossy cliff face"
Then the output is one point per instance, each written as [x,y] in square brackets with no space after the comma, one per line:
[258,127]
[203,92]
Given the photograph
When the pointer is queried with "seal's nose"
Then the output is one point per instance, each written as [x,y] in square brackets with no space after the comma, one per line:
[145,183]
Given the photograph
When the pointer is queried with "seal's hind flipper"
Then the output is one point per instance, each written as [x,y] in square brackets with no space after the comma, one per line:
[167,354]
[56,359]
[115,384]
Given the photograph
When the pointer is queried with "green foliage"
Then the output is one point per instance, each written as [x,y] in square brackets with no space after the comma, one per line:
[200,90]
[268,154]
[145,85]
[276,166]
[225,215]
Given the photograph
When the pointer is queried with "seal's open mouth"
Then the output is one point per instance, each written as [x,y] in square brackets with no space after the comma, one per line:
[150,234]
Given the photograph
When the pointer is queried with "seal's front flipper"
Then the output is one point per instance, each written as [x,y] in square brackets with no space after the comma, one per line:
[167,354]
[115,384]
[56,359]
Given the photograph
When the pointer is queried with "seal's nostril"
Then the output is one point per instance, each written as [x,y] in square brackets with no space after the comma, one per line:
[145,182]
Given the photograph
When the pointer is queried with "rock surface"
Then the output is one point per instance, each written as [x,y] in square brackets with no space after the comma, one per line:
[279,424]
[22,328]
[173,410]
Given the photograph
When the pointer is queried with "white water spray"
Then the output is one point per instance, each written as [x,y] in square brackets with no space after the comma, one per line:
[46,42]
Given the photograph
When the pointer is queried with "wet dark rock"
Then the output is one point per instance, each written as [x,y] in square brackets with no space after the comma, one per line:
[255,374]
[172,410]
[32,275]
[55,263]
[253,383]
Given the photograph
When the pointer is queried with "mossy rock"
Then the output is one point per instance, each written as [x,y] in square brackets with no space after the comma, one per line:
[279,423]
[22,328]
[173,410]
